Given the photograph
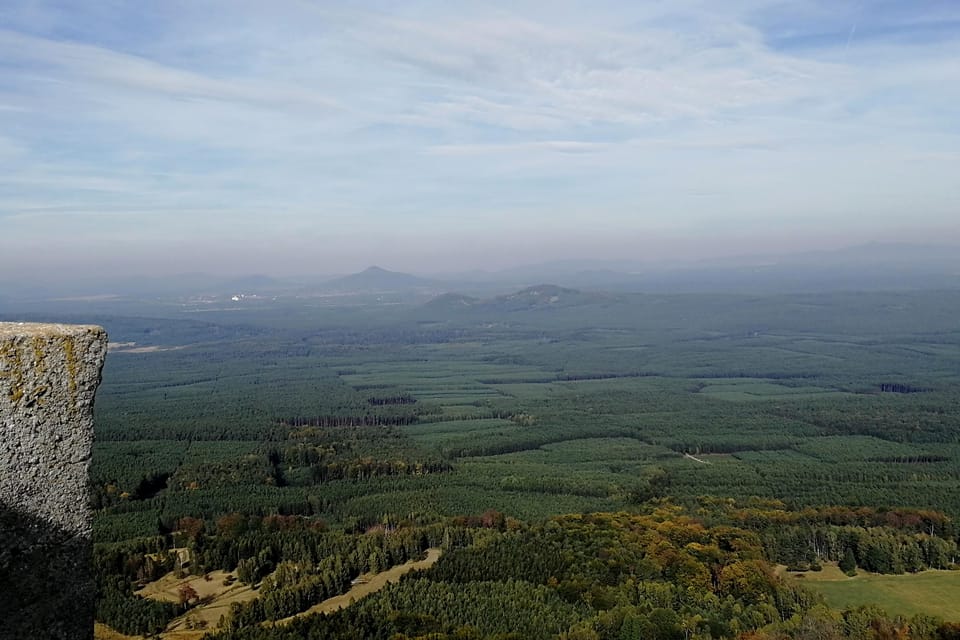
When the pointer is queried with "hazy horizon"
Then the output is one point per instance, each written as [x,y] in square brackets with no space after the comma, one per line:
[94,266]
[237,138]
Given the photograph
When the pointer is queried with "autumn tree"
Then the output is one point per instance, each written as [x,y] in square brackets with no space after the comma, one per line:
[186,593]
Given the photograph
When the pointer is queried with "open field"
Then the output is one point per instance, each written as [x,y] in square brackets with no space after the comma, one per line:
[213,592]
[934,593]
[751,390]
[103,632]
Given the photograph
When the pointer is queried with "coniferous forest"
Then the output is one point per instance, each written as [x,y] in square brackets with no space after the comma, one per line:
[606,466]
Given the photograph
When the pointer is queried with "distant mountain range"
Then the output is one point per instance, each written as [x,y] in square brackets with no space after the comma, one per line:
[375,279]
[874,266]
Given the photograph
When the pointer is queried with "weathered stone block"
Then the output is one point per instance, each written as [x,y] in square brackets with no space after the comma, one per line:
[48,377]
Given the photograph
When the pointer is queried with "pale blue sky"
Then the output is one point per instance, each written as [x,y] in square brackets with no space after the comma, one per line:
[293,137]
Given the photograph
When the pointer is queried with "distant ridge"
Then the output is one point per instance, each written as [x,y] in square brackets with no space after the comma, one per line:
[548,294]
[542,296]
[914,255]
[377,279]
[452,301]
[874,266]
[254,283]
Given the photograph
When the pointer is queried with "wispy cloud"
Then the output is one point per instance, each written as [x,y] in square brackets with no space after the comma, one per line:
[93,66]
[555,146]
[454,117]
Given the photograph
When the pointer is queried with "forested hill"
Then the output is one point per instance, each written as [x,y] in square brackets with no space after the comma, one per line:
[663,574]
[823,426]
[376,279]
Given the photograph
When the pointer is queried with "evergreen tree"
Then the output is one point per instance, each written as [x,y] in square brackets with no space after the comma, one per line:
[848,564]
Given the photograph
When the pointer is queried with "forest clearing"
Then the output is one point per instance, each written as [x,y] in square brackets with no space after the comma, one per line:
[218,591]
[369,583]
[933,592]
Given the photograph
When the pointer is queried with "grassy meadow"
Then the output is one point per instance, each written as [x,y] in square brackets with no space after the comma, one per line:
[935,593]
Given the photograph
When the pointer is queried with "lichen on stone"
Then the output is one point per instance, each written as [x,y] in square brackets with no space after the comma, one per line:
[71,364]
[12,358]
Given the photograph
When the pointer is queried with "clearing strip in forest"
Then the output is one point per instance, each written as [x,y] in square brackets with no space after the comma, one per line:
[367,584]
[687,455]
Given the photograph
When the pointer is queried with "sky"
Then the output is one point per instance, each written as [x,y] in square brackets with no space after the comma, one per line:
[295,137]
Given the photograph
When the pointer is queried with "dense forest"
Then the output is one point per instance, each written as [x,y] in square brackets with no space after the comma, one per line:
[662,574]
[615,466]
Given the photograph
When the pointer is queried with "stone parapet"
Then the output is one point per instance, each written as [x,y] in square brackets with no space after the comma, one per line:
[48,377]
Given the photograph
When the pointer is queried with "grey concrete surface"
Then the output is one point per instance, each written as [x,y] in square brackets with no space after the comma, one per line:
[48,378]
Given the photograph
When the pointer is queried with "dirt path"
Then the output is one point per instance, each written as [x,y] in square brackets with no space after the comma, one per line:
[687,455]
[371,583]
